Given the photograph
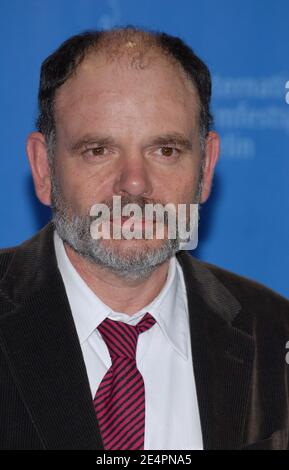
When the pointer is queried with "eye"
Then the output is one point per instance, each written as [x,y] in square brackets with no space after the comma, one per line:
[169,151]
[95,151]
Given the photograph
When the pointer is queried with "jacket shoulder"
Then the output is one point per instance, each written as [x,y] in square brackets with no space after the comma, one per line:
[27,253]
[6,255]
[243,285]
[256,299]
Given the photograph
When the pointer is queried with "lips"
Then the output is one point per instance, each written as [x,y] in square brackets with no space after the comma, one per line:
[136,223]
[131,218]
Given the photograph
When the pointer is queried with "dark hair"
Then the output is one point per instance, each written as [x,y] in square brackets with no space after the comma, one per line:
[63,62]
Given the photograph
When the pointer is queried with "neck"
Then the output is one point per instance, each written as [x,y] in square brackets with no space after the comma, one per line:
[121,295]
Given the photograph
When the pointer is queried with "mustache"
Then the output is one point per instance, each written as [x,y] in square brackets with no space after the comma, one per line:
[149,208]
[125,200]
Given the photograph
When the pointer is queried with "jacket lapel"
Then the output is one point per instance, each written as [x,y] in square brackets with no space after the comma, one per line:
[38,336]
[222,356]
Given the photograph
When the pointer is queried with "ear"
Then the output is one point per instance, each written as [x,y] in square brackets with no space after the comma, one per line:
[212,151]
[38,159]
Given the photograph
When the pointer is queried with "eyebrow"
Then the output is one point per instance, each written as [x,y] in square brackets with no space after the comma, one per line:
[92,139]
[172,138]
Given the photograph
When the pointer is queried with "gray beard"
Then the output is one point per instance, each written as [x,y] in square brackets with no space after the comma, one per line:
[74,229]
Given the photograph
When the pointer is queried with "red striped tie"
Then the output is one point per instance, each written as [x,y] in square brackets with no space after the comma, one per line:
[120,398]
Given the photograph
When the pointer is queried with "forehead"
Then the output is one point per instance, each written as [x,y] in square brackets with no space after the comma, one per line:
[146,86]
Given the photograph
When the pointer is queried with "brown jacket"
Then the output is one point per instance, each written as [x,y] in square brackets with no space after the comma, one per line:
[239,330]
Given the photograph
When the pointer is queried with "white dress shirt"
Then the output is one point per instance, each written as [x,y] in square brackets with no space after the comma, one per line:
[163,355]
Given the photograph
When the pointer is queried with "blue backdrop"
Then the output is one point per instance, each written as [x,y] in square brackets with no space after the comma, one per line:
[244,226]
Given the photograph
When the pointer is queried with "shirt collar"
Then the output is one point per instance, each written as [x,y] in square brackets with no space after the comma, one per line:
[169,308]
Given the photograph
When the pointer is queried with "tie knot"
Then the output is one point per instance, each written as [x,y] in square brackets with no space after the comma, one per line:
[121,338]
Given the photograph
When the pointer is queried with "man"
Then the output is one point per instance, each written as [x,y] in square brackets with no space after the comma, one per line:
[131,343]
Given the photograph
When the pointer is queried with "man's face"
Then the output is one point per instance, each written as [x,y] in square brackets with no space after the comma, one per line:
[128,131]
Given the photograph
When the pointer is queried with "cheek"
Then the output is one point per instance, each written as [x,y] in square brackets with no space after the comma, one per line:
[191,186]
[191,182]
[81,187]
[71,189]
[181,187]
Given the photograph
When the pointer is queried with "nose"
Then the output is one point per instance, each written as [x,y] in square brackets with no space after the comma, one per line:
[133,177]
